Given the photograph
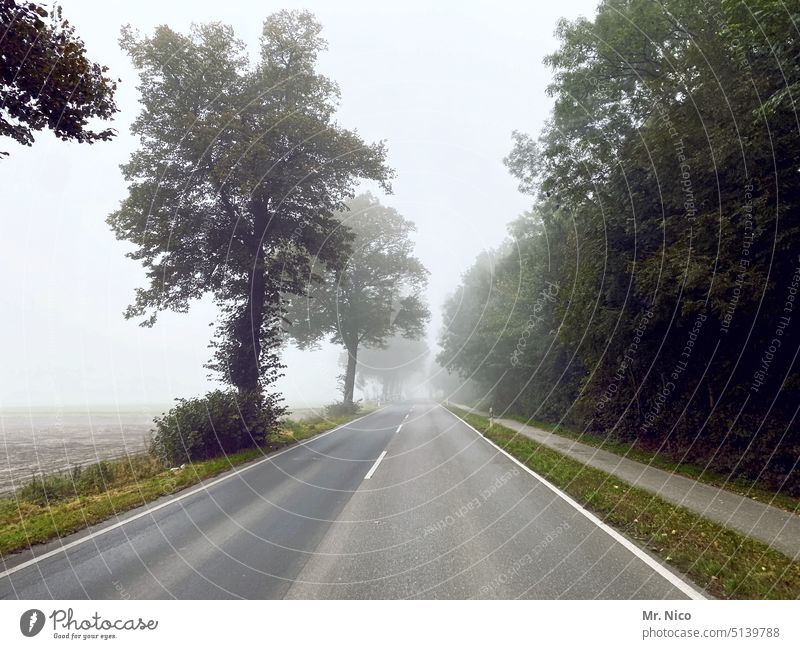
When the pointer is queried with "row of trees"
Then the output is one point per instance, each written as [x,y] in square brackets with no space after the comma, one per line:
[649,294]
[242,187]
[399,370]
[372,299]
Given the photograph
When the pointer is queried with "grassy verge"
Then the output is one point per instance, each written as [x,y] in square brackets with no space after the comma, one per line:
[726,564]
[55,505]
[740,486]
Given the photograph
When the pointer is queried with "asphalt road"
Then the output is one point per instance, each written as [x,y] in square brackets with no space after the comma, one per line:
[408,502]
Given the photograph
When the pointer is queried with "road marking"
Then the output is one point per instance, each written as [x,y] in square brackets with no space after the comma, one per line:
[375,466]
[662,570]
[188,494]
[406,417]
[398,429]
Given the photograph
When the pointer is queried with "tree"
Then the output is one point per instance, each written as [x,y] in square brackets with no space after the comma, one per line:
[501,324]
[46,79]
[394,366]
[240,172]
[377,294]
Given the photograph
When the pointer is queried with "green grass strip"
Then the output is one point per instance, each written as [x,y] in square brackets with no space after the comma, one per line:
[724,563]
[738,485]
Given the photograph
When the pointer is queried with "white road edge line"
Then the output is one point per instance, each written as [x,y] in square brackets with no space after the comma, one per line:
[204,487]
[662,570]
[398,429]
[375,466]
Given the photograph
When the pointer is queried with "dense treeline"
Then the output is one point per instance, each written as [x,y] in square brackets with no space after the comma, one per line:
[650,294]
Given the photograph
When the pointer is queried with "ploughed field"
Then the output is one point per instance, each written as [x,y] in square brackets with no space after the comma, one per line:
[47,441]
[39,441]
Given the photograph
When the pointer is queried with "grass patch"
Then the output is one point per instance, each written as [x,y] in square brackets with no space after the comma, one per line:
[726,564]
[52,506]
[740,486]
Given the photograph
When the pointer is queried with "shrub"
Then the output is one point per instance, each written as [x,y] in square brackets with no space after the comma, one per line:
[219,423]
[47,489]
[342,409]
[136,467]
[94,478]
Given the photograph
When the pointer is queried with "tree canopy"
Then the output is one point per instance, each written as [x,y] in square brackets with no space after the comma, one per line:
[46,80]
[237,181]
[375,295]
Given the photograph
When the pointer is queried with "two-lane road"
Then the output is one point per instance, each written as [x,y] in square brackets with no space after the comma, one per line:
[406,502]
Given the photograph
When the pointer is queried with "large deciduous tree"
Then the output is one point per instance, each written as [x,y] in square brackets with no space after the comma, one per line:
[376,295]
[237,180]
[46,81]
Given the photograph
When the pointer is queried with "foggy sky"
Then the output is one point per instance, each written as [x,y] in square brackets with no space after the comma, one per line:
[443,85]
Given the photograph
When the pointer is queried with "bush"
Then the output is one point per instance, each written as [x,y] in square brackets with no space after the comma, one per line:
[47,489]
[220,423]
[86,480]
[94,478]
[135,468]
[342,409]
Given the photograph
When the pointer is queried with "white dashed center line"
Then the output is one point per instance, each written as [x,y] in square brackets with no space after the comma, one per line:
[375,466]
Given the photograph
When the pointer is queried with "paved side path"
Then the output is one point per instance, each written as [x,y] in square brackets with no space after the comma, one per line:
[776,527]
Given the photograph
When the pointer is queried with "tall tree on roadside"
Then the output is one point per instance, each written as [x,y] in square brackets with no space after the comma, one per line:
[46,81]
[237,180]
[376,295]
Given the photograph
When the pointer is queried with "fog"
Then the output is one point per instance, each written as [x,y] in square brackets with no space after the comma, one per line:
[444,86]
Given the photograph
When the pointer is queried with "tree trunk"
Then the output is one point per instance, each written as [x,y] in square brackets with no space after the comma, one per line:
[246,371]
[246,362]
[350,376]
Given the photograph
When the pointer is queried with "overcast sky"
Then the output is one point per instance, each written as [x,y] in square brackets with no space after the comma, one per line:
[444,85]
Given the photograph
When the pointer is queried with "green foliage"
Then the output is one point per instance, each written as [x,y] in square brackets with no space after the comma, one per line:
[94,478]
[87,480]
[342,409]
[221,423]
[375,295]
[47,488]
[666,183]
[235,186]
[501,325]
[46,81]
[134,468]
